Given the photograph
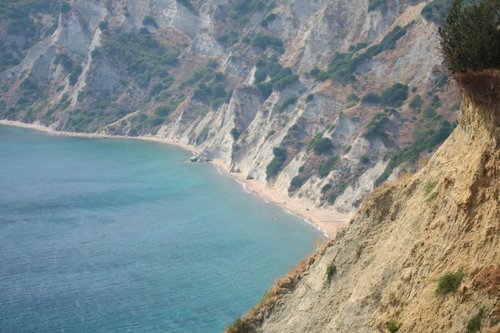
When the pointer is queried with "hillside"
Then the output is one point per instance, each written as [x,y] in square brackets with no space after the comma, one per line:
[422,254]
[318,100]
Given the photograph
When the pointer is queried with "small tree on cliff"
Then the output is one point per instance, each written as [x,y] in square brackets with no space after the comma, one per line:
[470,44]
[470,37]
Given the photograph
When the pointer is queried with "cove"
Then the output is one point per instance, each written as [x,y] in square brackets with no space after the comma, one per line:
[113,235]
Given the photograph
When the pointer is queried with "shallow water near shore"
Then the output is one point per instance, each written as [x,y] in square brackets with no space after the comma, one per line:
[122,235]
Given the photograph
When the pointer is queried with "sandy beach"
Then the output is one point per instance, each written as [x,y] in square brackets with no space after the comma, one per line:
[328,221]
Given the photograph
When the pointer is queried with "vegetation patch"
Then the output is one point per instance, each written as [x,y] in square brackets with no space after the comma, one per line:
[140,55]
[276,164]
[352,100]
[322,146]
[343,65]
[235,134]
[263,41]
[375,4]
[474,324]
[18,21]
[240,326]
[229,38]
[416,102]
[431,197]
[429,187]
[269,18]
[371,99]
[189,6]
[280,77]
[288,102]
[149,20]
[327,166]
[393,326]
[470,38]
[394,96]
[297,183]
[331,271]
[449,283]
[338,190]
[431,130]
[376,128]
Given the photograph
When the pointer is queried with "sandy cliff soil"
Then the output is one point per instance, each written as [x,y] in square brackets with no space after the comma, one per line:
[407,236]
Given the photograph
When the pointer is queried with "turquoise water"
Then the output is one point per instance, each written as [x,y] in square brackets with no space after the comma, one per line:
[104,235]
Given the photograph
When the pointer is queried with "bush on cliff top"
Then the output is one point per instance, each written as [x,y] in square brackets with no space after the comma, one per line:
[470,37]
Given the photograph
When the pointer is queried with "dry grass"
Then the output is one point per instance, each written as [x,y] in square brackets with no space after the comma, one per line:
[482,87]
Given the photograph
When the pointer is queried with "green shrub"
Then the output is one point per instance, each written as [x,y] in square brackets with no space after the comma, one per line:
[319,75]
[188,5]
[235,134]
[337,191]
[331,271]
[474,324]
[449,283]
[393,326]
[374,4]
[263,42]
[276,164]
[429,187]
[309,98]
[64,60]
[228,39]
[376,127]
[103,25]
[470,37]
[436,10]
[342,67]
[322,146]
[352,98]
[297,183]
[269,18]
[65,8]
[280,77]
[163,111]
[75,74]
[371,99]
[288,102]
[394,96]
[416,102]
[326,188]
[265,89]
[260,75]
[247,6]
[327,166]
[149,20]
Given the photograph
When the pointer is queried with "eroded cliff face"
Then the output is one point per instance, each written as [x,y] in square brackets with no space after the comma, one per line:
[272,89]
[407,236]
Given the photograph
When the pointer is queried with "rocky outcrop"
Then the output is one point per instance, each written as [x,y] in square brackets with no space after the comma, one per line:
[80,78]
[422,254]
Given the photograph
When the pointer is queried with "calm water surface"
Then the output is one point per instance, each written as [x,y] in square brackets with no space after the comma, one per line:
[103,235]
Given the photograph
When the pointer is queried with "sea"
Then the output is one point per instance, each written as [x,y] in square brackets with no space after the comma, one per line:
[117,235]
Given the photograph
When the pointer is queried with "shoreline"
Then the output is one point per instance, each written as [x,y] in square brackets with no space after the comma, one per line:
[327,221]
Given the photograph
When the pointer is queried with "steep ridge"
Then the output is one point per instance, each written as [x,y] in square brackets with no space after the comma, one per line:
[318,100]
[422,254]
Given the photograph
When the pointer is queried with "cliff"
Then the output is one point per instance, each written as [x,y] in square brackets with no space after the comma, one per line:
[319,100]
[422,254]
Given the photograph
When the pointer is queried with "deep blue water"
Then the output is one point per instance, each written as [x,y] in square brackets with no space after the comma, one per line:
[105,235]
